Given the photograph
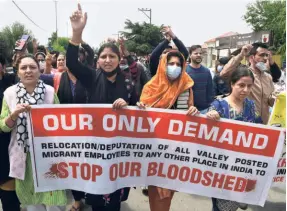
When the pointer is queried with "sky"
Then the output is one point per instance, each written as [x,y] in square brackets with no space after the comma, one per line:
[193,21]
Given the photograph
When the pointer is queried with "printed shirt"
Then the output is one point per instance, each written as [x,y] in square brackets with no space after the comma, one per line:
[248,113]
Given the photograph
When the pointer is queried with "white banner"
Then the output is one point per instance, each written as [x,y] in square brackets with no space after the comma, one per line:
[96,149]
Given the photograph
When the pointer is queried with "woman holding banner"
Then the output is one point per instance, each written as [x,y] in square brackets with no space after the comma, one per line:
[170,88]
[17,100]
[237,107]
[107,85]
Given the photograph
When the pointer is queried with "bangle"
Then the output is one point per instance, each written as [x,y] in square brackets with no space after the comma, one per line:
[12,118]
[73,43]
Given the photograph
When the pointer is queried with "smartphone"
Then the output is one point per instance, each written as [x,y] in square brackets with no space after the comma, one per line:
[24,39]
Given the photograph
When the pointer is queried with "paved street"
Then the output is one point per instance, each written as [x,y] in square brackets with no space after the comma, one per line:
[184,202]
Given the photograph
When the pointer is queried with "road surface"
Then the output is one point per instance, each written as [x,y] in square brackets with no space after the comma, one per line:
[185,202]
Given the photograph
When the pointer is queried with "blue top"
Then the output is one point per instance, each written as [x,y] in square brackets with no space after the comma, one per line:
[248,113]
[203,87]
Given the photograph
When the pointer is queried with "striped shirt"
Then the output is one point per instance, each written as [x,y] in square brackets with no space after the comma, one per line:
[203,87]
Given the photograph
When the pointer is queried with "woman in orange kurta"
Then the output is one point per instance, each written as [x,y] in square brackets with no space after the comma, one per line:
[170,88]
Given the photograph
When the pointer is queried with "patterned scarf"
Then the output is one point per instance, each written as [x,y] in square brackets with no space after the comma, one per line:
[23,97]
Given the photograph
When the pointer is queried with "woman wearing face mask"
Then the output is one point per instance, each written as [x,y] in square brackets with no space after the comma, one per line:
[41,58]
[170,88]
[220,86]
[17,100]
[107,85]
[237,107]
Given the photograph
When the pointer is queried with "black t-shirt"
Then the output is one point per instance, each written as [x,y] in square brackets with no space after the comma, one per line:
[7,81]
[2,89]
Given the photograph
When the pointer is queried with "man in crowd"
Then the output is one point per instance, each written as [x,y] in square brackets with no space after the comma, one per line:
[263,87]
[203,86]
[237,56]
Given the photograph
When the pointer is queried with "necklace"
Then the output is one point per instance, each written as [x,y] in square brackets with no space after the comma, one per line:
[233,105]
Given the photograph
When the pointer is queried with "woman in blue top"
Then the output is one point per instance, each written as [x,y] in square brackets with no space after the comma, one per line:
[236,106]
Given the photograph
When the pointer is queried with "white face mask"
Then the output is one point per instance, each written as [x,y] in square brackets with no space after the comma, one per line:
[42,65]
[219,68]
[123,67]
[261,66]
[173,72]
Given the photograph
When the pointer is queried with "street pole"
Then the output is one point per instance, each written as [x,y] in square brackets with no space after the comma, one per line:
[146,10]
[118,34]
[150,16]
[56,20]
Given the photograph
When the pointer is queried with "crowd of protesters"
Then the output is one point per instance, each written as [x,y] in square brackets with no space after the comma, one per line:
[168,78]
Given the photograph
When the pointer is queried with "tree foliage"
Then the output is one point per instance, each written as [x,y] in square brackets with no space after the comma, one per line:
[141,38]
[60,44]
[269,15]
[9,35]
[52,39]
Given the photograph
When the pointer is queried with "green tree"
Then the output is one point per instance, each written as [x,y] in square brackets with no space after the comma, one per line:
[52,39]
[141,38]
[269,15]
[60,44]
[9,35]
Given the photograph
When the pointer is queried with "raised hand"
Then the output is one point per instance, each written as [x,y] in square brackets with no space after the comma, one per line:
[123,48]
[78,23]
[245,50]
[24,49]
[168,32]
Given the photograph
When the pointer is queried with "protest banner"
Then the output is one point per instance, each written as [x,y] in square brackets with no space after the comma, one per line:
[96,149]
[278,119]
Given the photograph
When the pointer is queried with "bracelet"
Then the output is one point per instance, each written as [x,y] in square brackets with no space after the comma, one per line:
[73,43]
[12,118]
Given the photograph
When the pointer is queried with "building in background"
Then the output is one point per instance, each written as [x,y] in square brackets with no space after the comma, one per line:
[228,42]
[212,53]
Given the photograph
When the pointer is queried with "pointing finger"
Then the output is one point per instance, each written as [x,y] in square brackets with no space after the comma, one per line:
[79,7]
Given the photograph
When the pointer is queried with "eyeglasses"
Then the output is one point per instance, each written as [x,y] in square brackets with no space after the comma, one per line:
[40,60]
